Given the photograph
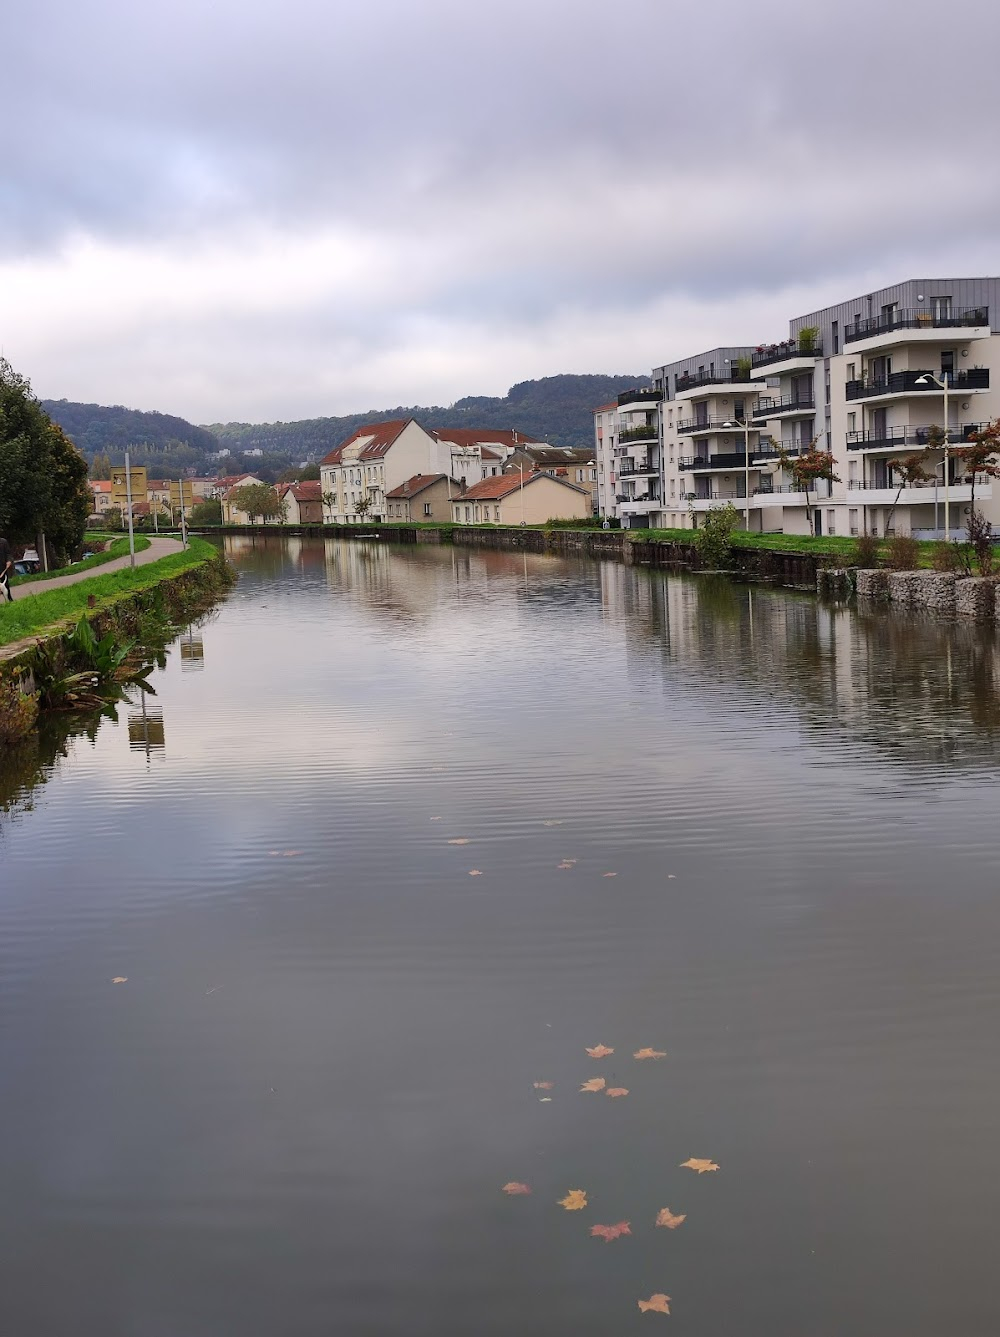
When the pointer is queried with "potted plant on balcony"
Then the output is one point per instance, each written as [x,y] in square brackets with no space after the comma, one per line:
[743,366]
[807,338]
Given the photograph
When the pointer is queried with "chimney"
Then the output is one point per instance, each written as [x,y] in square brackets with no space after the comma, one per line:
[462,484]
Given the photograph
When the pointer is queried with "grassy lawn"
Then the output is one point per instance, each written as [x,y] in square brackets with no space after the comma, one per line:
[119,548]
[30,616]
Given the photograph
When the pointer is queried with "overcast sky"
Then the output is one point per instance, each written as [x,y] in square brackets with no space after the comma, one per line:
[245,209]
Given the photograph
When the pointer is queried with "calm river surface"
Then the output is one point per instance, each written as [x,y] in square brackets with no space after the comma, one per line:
[296,1115]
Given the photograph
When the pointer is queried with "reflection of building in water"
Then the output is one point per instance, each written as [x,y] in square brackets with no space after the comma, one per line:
[145,727]
[192,653]
[913,688]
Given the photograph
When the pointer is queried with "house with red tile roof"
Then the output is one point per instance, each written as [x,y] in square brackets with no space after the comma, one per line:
[100,490]
[424,497]
[303,502]
[517,498]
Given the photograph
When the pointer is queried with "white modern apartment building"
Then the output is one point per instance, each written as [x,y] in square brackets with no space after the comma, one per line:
[864,380]
[627,456]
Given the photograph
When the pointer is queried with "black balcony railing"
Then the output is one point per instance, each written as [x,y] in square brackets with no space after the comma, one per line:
[646,496]
[647,433]
[890,438]
[629,468]
[770,449]
[724,377]
[647,395]
[916,318]
[706,425]
[769,408]
[771,353]
[908,382]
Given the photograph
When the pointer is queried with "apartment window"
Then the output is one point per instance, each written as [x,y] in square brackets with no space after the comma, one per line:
[941,306]
[852,521]
[835,332]
[948,362]
[851,371]
[498,512]
[427,508]
[739,409]
[830,522]
[852,422]
[468,513]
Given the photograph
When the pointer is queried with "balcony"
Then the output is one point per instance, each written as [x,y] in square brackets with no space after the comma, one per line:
[793,406]
[685,386]
[769,354]
[902,438]
[645,396]
[905,383]
[924,494]
[647,433]
[636,468]
[916,319]
[690,426]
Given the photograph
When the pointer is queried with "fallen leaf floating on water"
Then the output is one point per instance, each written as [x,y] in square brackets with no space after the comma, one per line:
[543,1086]
[475,872]
[284,854]
[552,823]
[615,1091]
[575,1200]
[460,841]
[612,1232]
[702,1167]
[665,1217]
[650,1053]
[435,819]
[595,1084]
[656,1304]
[566,866]
[516,1190]
[609,874]
[600,1051]
[545,1100]
[120,979]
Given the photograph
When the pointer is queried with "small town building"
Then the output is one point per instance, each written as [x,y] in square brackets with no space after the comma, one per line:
[100,490]
[576,464]
[522,498]
[231,514]
[424,497]
[302,503]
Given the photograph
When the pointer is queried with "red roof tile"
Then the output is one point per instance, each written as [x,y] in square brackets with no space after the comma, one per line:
[502,485]
[473,436]
[606,408]
[416,484]
[382,434]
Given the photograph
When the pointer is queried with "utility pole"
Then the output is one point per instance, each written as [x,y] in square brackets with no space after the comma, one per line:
[128,499]
[184,537]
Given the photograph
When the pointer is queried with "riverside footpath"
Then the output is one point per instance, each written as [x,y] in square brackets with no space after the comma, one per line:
[158,547]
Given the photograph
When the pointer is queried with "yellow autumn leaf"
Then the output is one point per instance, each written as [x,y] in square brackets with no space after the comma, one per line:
[702,1167]
[600,1051]
[120,979]
[650,1053]
[615,1091]
[665,1217]
[595,1084]
[656,1304]
[574,1201]
[475,872]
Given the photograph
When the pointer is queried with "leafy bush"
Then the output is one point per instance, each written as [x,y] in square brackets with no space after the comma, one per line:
[903,552]
[207,513]
[867,551]
[714,538]
[981,539]
[946,557]
[18,712]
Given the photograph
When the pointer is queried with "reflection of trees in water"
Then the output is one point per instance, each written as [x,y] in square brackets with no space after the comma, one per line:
[31,763]
[913,687]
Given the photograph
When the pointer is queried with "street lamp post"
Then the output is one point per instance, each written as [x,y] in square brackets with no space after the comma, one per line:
[745,428]
[930,379]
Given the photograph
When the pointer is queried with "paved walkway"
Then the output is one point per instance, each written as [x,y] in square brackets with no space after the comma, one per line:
[157,548]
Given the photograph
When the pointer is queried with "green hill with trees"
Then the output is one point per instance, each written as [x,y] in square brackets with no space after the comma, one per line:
[556,408]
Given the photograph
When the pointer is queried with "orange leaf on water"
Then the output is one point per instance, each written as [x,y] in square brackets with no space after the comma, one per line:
[610,874]
[665,1217]
[516,1190]
[600,1051]
[656,1304]
[595,1084]
[575,1200]
[460,841]
[702,1167]
[612,1232]
[475,872]
[650,1053]
[615,1091]
[120,979]
[543,1086]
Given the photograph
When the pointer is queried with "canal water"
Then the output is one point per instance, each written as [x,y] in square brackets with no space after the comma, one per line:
[402,834]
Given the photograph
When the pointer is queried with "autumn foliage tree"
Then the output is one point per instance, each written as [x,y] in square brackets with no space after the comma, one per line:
[980,457]
[808,468]
[910,471]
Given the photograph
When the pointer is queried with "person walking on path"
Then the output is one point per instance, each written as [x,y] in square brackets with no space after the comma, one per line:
[6,571]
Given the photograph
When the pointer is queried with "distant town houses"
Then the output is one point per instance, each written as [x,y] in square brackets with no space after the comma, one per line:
[519,498]
[857,391]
